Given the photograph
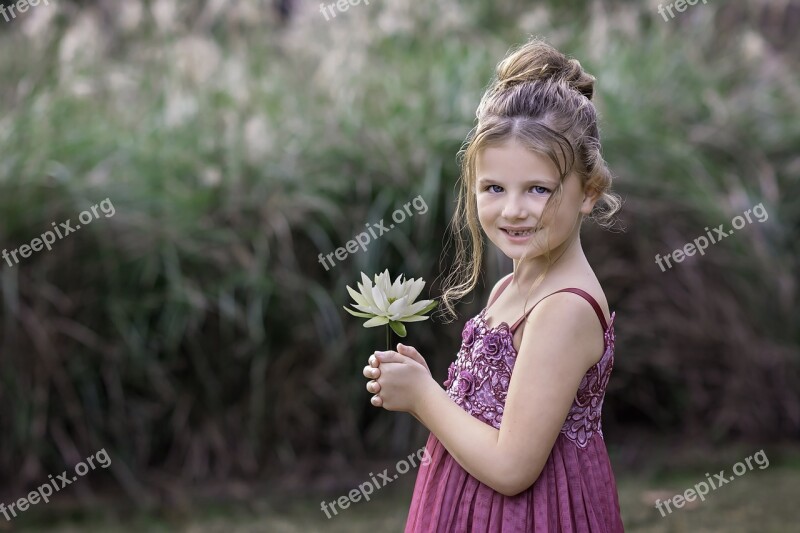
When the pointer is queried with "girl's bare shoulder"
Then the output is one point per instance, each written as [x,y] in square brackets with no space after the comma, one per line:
[497,286]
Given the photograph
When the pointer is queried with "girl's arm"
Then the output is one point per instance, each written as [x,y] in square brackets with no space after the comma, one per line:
[562,340]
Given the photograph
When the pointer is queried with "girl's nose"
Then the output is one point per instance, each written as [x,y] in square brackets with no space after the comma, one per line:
[514,209]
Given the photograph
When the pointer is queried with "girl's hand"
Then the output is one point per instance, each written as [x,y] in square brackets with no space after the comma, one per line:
[400,380]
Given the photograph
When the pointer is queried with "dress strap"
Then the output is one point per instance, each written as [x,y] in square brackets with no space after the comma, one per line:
[500,291]
[580,292]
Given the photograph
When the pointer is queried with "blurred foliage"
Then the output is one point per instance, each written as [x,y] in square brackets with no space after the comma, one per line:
[196,336]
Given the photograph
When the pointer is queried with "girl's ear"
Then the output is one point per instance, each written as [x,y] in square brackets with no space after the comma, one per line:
[590,197]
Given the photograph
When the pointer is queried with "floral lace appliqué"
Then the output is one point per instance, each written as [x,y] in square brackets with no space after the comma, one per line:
[478,379]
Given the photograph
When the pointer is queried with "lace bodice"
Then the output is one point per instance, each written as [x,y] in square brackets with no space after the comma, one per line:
[478,379]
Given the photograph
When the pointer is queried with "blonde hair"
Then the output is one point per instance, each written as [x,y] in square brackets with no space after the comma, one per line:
[543,99]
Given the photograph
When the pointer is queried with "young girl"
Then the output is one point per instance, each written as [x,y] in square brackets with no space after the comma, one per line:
[516,442]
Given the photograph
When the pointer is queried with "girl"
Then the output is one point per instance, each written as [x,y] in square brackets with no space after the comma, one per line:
[516,442]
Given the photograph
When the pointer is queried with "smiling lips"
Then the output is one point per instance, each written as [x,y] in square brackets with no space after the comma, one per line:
[518,232]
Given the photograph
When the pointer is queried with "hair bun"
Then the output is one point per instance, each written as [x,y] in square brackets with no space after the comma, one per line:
[537,60]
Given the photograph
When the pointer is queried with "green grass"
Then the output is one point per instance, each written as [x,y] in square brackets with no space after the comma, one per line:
[759,500]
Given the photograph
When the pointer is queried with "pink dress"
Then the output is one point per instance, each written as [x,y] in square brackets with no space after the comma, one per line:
[576,491]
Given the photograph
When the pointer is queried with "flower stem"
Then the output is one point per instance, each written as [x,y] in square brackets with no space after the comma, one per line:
[388,337]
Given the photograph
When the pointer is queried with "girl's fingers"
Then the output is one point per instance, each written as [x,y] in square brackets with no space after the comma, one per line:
[376,401]
[373,361]
[370,372]
[390,357]
[413,353]
[373,387]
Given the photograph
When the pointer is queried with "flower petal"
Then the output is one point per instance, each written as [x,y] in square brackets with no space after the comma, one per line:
[377,321]
[397,287]
[398,307]
[360,315]
[366,292]
[386,283]
[428,307]
[369,309]
[380,276]
[415,318]
[359,298]
[366,282]
[415,289]
[380,299]
[417,307]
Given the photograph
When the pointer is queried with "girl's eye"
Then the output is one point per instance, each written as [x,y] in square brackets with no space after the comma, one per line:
[538,189]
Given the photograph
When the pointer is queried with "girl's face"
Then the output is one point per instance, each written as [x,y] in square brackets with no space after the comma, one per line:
[512,188]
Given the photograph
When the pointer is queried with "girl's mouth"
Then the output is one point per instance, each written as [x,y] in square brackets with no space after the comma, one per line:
[525,233]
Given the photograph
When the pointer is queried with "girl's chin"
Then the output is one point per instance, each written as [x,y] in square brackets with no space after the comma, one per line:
[517,251]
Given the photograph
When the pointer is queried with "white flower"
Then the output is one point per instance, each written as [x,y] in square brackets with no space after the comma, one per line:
[389,303]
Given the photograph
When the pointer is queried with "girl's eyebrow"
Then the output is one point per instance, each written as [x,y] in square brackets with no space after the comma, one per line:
[535,181]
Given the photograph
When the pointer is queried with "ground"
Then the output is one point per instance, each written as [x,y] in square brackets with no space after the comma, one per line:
[762,500]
